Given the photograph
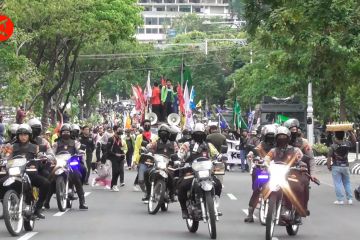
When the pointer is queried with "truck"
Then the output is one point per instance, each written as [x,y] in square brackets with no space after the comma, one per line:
[277,110]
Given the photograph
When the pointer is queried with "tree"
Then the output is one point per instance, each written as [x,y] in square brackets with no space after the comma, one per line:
[61,29]
[310,40]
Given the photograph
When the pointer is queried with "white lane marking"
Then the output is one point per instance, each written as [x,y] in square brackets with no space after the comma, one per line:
[275,238]
[247,213]
[231,196]
[59,214]
[28,236]
[87,194]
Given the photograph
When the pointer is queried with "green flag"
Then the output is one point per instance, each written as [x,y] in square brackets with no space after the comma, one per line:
[280,119]
[238,121]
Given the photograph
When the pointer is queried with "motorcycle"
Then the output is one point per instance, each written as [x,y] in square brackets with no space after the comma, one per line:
[262,178]
[158,177]
[278,184]
[17,214]
[2,174]
[65,164]
[201,204]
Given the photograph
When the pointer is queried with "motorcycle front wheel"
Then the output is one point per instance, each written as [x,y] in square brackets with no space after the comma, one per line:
[1,210]
[192,225]
[210,213]
[263,211]
[292,230]
[61,197]
[13,217]
[158,197]
[271,217]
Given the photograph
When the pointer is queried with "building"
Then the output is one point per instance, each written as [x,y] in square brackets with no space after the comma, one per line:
[158,15]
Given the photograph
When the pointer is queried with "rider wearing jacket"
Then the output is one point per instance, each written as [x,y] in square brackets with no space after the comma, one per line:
[142,140]
[268,142]
[44,145]
[65,143]
[189,151]
[165,147]
[24,147]
[292,156]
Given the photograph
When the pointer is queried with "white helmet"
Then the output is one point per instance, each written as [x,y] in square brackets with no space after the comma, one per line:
[24,129]
[35,123]
[13,128]
[199,127]
[283,131]
[268,129]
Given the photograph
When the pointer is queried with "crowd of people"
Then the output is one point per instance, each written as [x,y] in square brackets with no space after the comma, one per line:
[107,151]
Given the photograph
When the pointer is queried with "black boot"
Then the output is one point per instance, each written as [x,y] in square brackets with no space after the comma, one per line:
[185,214]
[82,205]
[37,211]
[250,217]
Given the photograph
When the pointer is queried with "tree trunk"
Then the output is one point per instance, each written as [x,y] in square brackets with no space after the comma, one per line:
[343,114]
[46,111]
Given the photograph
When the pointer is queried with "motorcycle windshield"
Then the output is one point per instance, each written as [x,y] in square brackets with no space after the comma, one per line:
[16,162]
[161,158]
[62,159]
[201,165]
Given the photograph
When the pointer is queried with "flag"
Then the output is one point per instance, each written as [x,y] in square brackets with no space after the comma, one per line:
[192,99]
[199,104]
[187,75]
[148,91]
[280,119]
[251,118]
[181,99]
[137,98]
[189,121]
[128,121]
[238,121]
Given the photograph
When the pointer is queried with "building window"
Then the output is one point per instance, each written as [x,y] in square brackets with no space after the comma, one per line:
[197,9]
[154,31]
[185,9]
[169,1]
[160,9]
[172,9]
[151,21]
[161,30]
[147,9]
[141,30]
[148,31]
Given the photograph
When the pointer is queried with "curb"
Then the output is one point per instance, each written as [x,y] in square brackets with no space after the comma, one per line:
[320,160]
[355,169]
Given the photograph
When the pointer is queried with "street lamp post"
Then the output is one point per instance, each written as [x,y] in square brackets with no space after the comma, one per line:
[310,115]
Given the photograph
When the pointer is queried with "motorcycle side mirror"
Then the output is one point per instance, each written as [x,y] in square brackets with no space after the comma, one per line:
[309,120]
[224,149]
[174,157]
[42,148]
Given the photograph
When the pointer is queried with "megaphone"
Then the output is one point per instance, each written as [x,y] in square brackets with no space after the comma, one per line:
[173,119]
[152,117]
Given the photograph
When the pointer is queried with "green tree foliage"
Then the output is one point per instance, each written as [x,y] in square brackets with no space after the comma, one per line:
[61,29]
[310,40]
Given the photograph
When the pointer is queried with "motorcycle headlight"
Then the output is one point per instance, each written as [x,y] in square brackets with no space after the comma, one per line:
[204,174]
[278,175]
[14,171]
[161,165]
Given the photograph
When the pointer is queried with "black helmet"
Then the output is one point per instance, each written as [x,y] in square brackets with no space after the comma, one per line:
[65,127]
[292,122]
[164,132]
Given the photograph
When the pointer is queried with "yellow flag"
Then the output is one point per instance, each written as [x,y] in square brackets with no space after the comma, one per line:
[199,105]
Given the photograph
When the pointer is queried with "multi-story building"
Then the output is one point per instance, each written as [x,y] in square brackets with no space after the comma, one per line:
[158,15]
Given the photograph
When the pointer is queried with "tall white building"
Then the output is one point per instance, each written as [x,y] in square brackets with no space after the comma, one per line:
[158,15]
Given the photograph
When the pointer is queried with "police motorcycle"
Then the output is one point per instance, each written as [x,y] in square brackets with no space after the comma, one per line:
[17,214]
[3,162]
[63,166]
[262,178]
[280,175]
[201,202]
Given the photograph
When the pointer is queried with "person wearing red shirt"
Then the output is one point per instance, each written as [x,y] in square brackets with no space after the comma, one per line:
[156,101]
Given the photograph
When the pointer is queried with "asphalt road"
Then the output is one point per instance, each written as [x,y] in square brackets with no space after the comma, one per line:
[121,215]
